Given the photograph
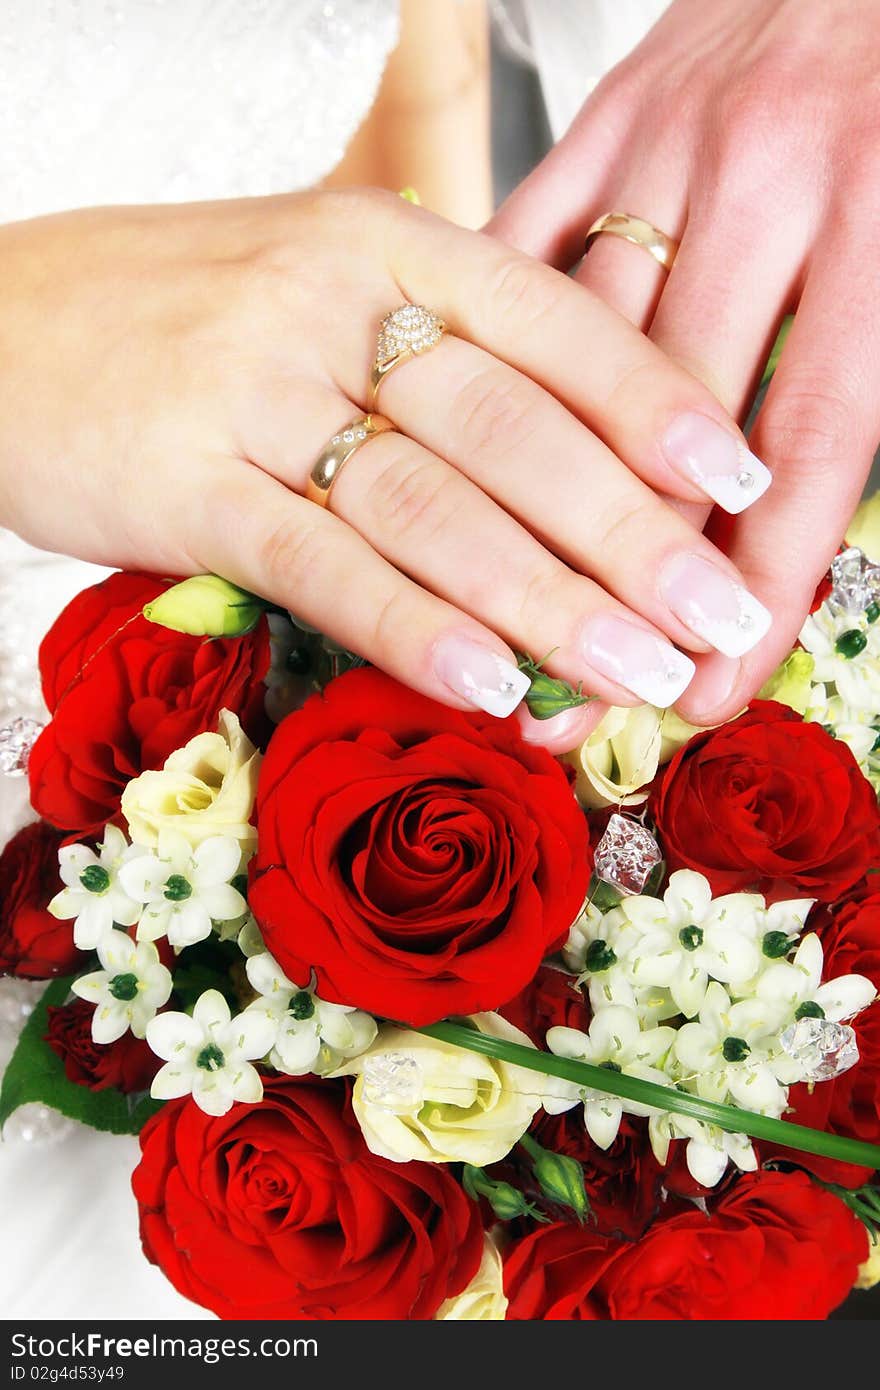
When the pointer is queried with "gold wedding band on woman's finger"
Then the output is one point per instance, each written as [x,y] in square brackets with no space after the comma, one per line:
[404,333]
[336,454]
[637,230]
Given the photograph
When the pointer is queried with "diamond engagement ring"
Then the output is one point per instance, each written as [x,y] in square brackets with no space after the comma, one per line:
[404,333]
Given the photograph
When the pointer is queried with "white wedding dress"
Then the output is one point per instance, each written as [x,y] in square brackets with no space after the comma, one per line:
[114,101]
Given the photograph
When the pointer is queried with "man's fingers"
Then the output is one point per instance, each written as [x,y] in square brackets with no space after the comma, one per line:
[818,429]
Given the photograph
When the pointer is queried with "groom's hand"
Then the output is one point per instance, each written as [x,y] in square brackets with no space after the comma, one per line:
[748,130]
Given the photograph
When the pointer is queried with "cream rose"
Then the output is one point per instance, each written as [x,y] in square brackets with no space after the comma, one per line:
[205,788]
[417,1098]
[621,756]
[484,1299]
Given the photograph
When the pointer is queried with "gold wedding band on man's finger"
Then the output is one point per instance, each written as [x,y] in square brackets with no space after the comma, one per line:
[638,231]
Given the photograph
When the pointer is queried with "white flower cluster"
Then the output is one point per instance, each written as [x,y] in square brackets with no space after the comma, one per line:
[701,994]
[180,879]
[844,684]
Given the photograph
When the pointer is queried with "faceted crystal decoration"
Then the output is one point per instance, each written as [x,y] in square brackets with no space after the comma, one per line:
[821,1048]
[393,1081]
[16,741]
[411,328]
[855,581]
[626,855]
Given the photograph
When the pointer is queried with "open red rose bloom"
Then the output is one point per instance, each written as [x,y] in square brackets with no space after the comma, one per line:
[407,1032]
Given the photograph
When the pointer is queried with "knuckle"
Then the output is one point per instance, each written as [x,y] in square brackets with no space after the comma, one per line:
[807,427]
[525,292]
[292,556]
[497,415]
[412,494]
[541,594]
[626,526]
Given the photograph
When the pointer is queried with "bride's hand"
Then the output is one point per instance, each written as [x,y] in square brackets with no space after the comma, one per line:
[170,374]
[746,129]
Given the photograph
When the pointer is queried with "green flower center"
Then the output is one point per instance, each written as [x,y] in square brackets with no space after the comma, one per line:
[302,1006]
[872,612]
[775,944]
[849,644]
[691,937]
[600,956]
[178,889]
[210,1058]
[95,879]
[609,1066]
[809,1009]
[124,987]
[735,1049]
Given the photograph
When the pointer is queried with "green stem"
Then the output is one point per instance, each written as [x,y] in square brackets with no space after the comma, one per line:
[669,1098]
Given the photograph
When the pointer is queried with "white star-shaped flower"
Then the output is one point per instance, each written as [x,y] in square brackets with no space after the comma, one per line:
[728,1052]
[682,941]
[129,989]
[93,893]
[209,1055]
[184,890]
[794,988]
[616,1041]
[709,1149]
[312,1035]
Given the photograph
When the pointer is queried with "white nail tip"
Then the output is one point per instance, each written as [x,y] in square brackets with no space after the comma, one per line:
[740,636]
[499,700]
[664,683]
[737,491]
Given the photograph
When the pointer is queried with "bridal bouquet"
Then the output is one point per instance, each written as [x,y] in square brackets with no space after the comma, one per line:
[417,1021]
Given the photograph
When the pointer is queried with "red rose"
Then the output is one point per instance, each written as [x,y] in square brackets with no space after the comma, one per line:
[279,1210]
[422,860]
[771,803]
[850,1104]
[32,942]
[125,693]
[128,1064]
[777,1247]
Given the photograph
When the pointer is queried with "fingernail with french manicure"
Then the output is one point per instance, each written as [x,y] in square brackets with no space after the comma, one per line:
[642,663]
[480,676]
[705,453]
[713,605]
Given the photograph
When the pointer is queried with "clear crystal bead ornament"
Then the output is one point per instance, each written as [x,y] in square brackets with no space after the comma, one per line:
[626,855]
[855,581]
[16,741]
[393,1081]
[821,1048]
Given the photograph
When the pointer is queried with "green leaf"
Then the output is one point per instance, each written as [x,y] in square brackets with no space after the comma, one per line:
[36,1073]
[727,1117]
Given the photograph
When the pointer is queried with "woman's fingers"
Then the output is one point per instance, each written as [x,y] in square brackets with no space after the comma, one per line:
[433,524]
[819,428]
[254,531]
[522,448]
[663,423]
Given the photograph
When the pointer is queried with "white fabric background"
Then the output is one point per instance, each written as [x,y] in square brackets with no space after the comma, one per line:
[144,100]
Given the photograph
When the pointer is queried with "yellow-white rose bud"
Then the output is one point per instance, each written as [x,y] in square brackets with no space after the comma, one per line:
[458,1107]
[869,1272]
[484,1299]
[621,756]
[205,788]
